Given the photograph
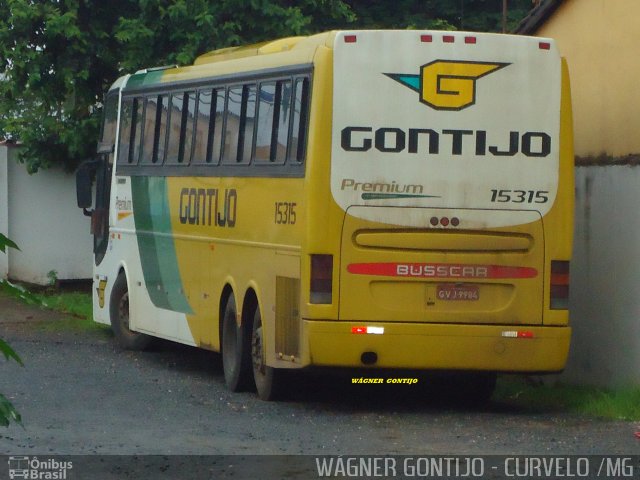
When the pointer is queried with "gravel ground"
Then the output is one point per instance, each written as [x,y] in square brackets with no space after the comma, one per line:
[80,395]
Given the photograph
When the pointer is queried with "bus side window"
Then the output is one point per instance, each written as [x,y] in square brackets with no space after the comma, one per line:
[232,125]
[264,122]
[160,133]
[187,130]
[214,144]
[240,119]
[108,137]
[204,123]
[281,120]
[274,114]
[174,132]
[125,131]
[150,126]
[298,140]
[136,131]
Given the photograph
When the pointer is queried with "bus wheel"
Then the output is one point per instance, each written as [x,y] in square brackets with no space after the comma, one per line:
[119,317]
[236,357]
[268,380]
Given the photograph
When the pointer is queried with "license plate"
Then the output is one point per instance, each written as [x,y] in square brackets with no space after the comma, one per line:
[458,292]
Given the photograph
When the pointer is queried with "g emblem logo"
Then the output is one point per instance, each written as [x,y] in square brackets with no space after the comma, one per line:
[448,84]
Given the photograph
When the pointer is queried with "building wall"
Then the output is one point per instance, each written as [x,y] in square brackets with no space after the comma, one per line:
[4,208]
[600,40]
[44,220]
[605,278]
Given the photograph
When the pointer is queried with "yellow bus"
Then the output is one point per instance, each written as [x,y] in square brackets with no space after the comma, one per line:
[373,199]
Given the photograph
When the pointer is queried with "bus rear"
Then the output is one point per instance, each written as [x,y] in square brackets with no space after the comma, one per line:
[451,193]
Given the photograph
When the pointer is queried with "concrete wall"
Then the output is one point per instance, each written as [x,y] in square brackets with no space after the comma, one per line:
[41,216]
[605,278]
[599,38]
[4,208]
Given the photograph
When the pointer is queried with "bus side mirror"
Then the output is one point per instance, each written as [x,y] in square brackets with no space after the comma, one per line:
[84,180]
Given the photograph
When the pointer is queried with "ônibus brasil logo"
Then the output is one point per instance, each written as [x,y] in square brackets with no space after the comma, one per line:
[447,84]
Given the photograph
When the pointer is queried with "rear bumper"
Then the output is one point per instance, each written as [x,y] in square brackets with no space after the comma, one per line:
[439,346]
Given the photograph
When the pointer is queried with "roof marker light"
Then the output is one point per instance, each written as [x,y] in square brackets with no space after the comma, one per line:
[426,38]
[544,46]
[471,40]
[350,39]
[448,39]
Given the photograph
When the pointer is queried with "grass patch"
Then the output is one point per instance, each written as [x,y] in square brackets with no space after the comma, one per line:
[77,305]
[619,404]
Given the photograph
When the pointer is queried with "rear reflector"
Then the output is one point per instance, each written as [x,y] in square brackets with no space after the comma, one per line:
[369,330]
[321,279]
[559,285]
[517,334]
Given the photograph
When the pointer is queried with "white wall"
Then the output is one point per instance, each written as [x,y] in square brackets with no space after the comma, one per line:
[4,209]
[45,222]
[605,278]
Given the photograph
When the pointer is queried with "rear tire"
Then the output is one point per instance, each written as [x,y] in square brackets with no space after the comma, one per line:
[268,380]
[119,317]
[236,356]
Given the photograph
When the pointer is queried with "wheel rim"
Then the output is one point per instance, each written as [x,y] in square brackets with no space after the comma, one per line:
[123,311]
[229,342]
[256,351]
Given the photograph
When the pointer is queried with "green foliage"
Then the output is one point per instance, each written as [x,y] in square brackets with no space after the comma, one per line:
[8,352]
[60,56]
[619,404]
[21,293]
[5,242]
[472,15]
[8,412]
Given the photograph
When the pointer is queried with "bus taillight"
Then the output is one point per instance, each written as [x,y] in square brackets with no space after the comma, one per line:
[321,278]
[559,299]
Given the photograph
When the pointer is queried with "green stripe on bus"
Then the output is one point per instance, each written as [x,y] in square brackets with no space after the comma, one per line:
[156,245]
[142,79]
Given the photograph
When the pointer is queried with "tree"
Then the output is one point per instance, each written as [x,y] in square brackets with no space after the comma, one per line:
[473,15]
[60,56]
[8,412]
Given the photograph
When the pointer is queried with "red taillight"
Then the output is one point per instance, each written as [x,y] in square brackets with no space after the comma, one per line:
[470,40]
[426,38]
[321,279]
[559,285]
[544,46]
[448,39]
[350,39]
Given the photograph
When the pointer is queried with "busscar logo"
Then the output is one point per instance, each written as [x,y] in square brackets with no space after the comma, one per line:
[447,84]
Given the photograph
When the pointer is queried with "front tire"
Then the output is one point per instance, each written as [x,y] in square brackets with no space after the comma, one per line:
[119,316]
[236,358]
